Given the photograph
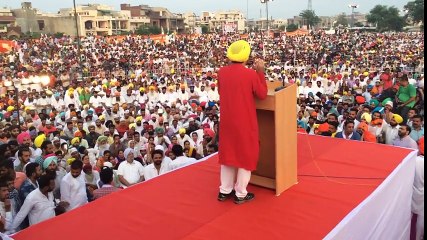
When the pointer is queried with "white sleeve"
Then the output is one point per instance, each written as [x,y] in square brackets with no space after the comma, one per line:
[9,220]
[167,140]
[140,169]
[120,170]
[23,212]
[65,191]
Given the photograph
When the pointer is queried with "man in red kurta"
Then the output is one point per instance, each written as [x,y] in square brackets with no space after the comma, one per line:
[239,145]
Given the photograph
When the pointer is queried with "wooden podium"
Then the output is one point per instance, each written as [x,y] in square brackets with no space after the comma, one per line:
[277,165]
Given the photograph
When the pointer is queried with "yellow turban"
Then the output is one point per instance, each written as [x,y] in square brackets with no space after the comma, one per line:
[398,118]
[75,140]
[239,51]
[367,117]
[102,117]
[39,140]
[141,89]
[365,74]
[131,85]
[356,73]
[138,119]
[181,131]
[70,160]
[10,108]
[132,125]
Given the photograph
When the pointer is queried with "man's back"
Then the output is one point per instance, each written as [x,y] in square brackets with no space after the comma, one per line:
[104,190]
[180,162]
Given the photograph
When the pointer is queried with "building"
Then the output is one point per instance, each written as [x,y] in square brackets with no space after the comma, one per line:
[191,21]
[7,20]
[225,21]
[327,22]
[157,16]
[31,20]
[96,19]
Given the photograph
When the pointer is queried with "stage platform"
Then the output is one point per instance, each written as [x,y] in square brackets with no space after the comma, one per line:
[339,181]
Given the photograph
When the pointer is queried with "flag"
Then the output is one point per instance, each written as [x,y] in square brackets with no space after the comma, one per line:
[6,46]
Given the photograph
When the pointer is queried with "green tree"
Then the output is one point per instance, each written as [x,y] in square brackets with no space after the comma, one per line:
[415,11]
[58,35]
[282,27]
[386,18]
[147,30]
[291,27]
[358,24]
[205,29]
[341,20]
[310,18]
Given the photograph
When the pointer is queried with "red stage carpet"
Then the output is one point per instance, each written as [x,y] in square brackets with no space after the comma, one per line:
[183,205]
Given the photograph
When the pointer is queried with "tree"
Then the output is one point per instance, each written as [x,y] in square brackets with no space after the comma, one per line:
[415,11]
[358,24]
[386,18]
[310,18]
[291,27]
[282,27]
[341,20]
[147,30]
[205,29]
[58,35]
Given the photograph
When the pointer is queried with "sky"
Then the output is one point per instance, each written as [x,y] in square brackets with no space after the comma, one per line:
[276,8]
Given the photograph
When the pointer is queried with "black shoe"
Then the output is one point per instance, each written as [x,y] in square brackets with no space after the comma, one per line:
[222,196]
[247,198]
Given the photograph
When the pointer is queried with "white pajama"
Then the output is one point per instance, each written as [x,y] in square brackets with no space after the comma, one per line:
[228,180]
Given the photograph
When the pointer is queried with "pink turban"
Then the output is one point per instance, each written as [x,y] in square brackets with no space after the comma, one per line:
[208,131]
[23,136]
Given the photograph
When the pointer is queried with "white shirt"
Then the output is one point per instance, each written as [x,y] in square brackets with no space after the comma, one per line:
[150,171]
[180,162]
[132,172]
[73,190]
[418,194]
[37,206]
[391,133]
[182,140]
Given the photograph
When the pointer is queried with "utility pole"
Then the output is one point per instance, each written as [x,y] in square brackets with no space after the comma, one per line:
[310,5]
[352,6]
[78,40]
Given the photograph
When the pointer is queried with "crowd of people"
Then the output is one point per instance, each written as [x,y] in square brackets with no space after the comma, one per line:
[121,110]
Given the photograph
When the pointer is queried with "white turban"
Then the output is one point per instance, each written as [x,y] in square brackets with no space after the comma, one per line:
[127,152]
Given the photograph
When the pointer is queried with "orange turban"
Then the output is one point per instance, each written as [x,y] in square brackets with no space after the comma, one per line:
[323,128]
[421,145]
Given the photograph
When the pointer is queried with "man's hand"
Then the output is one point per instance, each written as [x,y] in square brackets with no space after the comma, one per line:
[7,205]
[259,65]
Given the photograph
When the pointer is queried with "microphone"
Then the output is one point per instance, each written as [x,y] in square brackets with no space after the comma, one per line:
[279,88]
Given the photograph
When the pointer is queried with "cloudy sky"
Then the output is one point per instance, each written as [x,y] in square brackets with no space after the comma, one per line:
[277,8]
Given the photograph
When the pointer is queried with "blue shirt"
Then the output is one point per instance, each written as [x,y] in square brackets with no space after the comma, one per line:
[356,136]
[416,135]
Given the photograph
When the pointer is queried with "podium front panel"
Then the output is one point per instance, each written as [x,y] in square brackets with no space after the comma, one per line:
[267,132]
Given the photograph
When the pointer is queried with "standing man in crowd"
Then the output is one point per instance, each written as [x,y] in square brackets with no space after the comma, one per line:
[239,121]
[73,186]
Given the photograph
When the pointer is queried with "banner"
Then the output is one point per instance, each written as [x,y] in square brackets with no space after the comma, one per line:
[229,28]
[6,46]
